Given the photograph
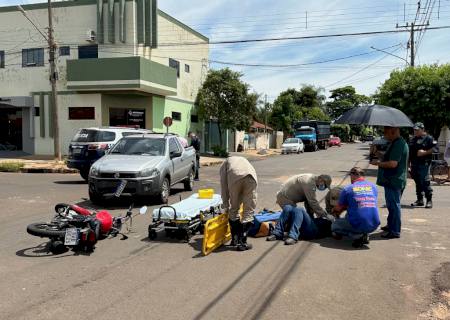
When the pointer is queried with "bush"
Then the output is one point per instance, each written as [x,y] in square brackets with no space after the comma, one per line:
[219,151]
[342,131]
[11,166]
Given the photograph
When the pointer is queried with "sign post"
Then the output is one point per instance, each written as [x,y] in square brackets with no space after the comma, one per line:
[167,122]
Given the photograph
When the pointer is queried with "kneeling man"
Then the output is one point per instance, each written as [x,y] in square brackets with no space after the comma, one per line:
[360,199]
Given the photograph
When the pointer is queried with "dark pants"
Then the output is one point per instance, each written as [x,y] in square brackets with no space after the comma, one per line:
[197,167]
[393,205]
[297,222]
[421,175]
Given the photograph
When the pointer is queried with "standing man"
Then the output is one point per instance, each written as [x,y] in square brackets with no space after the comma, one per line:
[392,176]
[195,143]
[360,199]
[238,182]
[420,156]
[302,188]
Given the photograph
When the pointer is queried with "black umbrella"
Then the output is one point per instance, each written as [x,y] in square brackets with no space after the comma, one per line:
[375,115]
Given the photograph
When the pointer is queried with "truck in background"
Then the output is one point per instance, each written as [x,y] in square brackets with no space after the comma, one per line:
[314,134]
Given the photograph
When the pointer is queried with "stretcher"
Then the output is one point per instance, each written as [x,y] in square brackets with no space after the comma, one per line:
[185,218]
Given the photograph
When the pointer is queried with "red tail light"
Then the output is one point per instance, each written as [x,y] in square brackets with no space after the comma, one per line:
[102,146]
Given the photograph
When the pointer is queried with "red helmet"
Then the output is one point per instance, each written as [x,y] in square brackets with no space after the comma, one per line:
[106,221]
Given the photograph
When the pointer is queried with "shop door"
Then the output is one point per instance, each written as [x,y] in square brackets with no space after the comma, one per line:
[134,118]
[10,129]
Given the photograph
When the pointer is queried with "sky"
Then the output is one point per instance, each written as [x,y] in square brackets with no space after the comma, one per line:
[222,20]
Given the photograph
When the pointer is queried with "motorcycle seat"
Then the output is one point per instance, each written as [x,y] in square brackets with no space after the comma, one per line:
[80,210]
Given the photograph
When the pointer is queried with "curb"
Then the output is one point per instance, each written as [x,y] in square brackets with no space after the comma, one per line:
[48,170]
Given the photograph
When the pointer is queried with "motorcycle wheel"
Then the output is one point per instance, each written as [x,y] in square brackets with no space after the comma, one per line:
[45,230]
[57,247]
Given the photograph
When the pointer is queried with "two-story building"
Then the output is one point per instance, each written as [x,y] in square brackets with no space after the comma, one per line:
[119,63]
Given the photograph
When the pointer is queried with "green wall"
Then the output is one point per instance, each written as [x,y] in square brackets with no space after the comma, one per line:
[164,107]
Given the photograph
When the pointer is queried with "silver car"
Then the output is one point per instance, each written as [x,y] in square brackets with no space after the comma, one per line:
[142,165]
[292,145]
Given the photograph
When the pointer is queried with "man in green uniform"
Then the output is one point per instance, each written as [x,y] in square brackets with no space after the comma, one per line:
[392,175]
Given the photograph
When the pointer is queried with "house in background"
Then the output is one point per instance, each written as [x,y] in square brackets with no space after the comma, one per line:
[120,63]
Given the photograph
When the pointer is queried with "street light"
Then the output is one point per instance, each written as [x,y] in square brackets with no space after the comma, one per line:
[391,54]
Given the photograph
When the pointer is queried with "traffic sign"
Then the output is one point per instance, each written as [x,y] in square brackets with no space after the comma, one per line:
[167,121]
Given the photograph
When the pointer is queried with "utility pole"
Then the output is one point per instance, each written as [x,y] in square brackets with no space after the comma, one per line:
[412,45]
[265,114]
[53,79]
[53,75]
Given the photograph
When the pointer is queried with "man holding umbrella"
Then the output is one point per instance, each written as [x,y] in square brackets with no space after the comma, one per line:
[392,176]
[393,168]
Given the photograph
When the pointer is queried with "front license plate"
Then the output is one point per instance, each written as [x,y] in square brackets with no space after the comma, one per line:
[120,188]
[76,151]
[71,237]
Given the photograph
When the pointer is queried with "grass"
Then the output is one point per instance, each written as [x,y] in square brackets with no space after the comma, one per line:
[10,166]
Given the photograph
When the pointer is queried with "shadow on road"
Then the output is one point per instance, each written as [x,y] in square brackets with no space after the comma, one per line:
[71,182]
[39,251]
[345,244]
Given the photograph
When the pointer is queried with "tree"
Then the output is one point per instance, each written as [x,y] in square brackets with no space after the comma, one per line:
[283,112]
[226,99]
[344,99]
[422,93]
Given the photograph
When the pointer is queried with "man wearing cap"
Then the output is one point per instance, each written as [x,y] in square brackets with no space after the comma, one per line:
[360,199]
[302,188]
[420,156]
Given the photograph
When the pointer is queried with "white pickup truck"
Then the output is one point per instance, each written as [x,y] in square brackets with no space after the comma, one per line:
[143,165]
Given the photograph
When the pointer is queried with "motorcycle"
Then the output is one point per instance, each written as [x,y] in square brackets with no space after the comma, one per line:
[79,228]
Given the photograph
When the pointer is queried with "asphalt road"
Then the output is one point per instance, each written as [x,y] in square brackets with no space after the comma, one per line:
[405,278]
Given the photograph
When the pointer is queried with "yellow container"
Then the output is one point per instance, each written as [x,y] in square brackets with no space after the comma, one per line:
[205,193]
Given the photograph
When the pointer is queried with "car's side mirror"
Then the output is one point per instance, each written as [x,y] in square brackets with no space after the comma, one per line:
[175,154]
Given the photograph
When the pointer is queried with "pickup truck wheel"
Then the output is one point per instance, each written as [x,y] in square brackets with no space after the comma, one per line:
[95,198]
[189,182]
[165,191]
[84,173]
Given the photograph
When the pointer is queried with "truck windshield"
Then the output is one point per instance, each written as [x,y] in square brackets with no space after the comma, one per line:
[291,140]
[305,131]
[140,146]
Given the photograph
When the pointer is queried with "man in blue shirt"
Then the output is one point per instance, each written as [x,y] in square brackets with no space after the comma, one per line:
[360,199]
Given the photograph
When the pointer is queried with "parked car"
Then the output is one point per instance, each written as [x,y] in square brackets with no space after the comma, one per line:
[368,137]
[143,165]
[334,141]
[90,144]
[377,148]
[292,145]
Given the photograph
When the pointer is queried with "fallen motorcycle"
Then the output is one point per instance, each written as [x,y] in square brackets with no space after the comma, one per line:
[79,228]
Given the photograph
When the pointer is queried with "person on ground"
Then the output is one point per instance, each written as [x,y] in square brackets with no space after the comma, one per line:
[392,175]
[300,225]
[420,156]
[302,188]
[238,182]
[360,199]
[195,143]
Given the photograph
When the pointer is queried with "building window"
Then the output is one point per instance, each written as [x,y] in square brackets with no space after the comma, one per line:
[88,52]
[176,116]
[187,68]
[33,57]
[176,65]
[82,113]
[64,51]
[120,117]
[2,59]
[194,118]
[37,111]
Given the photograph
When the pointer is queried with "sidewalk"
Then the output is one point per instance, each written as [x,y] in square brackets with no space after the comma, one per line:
[46,164]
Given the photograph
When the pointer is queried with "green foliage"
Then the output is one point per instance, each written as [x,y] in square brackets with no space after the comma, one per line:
[344,99]
[219,151]
[11,166]
[294,105]
[226,99]
[422,93]
[342,131]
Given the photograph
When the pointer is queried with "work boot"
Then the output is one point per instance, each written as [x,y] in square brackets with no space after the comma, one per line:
[360,242]
[242,243]
[429,204]
[290,241]
[385,228]
[418,203]
[234,232]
